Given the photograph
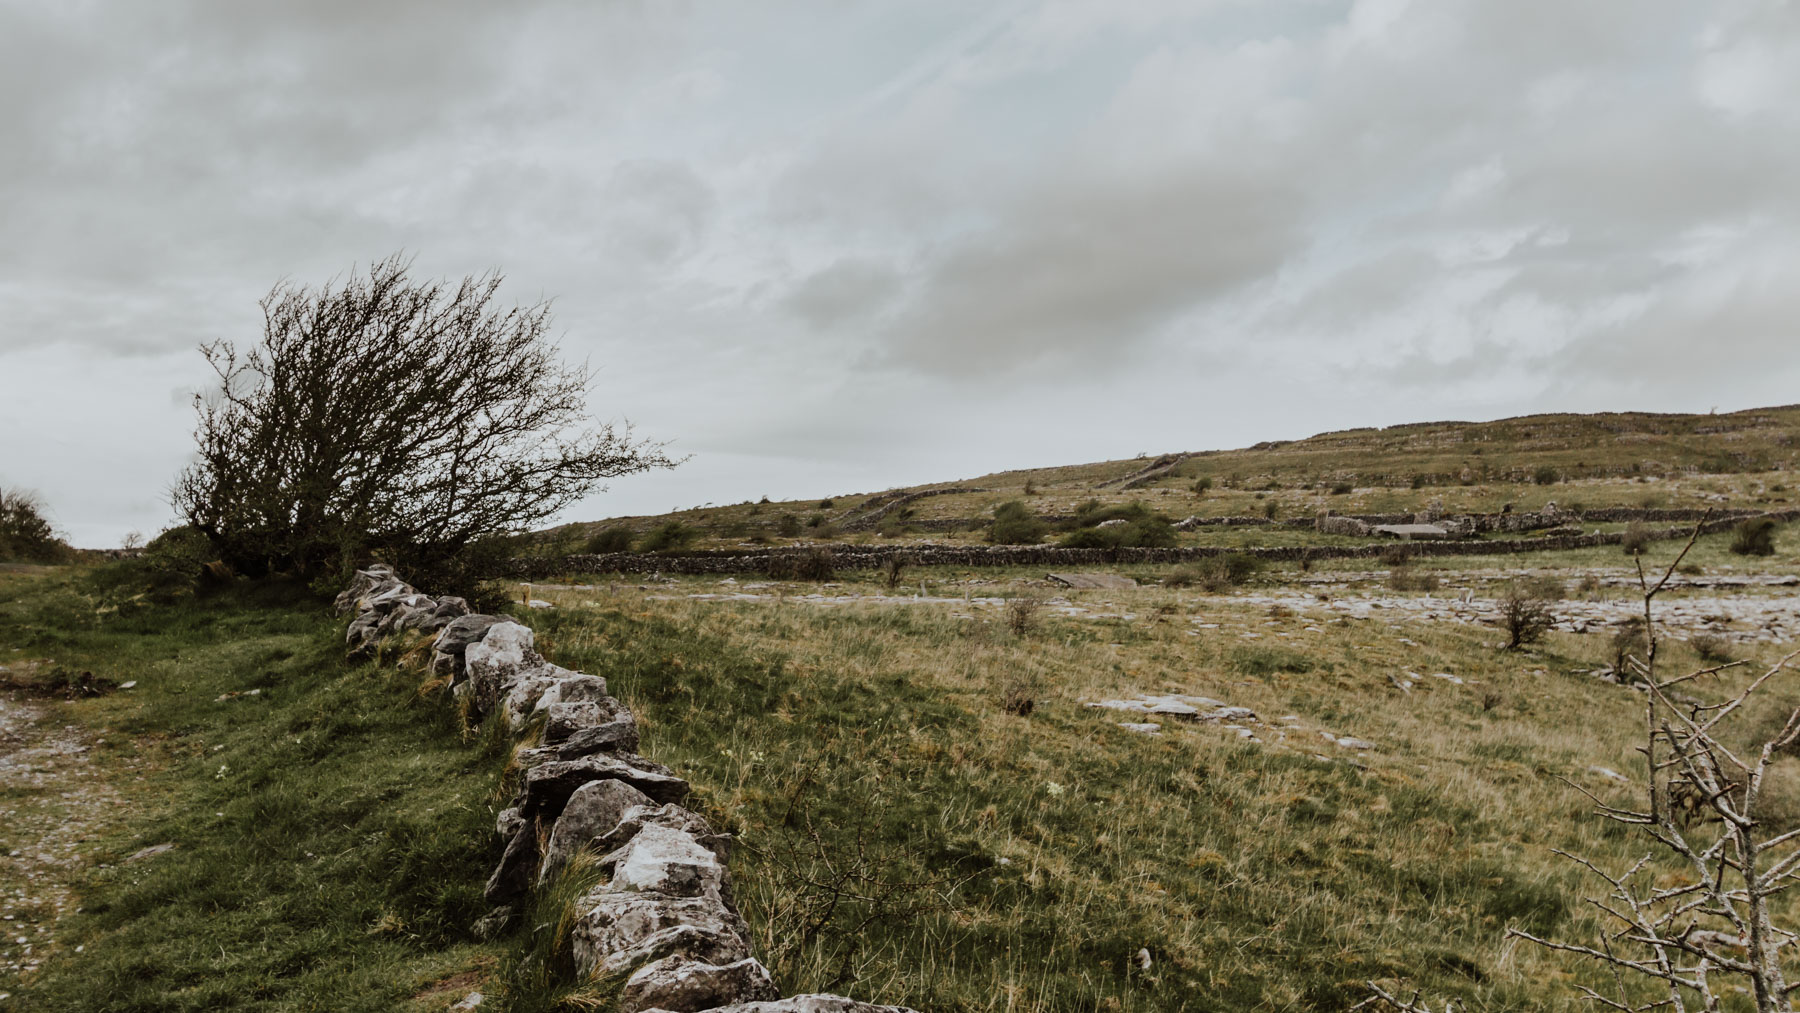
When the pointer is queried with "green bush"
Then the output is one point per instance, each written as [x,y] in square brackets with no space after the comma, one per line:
[25,533]
[1201,485]
[1149,532]
[607,540]
[787,526]
[1636,539]
[1754,537]
[1546,475]
[669,536]
[1341,488]
[1015,524]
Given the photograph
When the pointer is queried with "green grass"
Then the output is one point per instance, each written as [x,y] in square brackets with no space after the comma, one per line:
[332,831]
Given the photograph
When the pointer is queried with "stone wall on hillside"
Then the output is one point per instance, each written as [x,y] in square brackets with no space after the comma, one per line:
[864,557]
[870,520]
[664,916]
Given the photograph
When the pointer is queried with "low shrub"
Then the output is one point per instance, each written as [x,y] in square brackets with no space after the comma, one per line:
[1263,661]
[1636,539]
[1022,613]
[1404,578]
[1015,524]
[1149,532]
[1525,610]
[787,526]
[1395,555]
[1201,485]
[669,536]
[1215,573]
[1546,475]
[892,568]
[26,535]
[613,539]
[1342,488]
[1628,641]
[1754,537]
[814,564]
[1712,648]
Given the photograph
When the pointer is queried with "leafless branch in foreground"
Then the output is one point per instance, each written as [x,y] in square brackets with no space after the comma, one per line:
[1705,928]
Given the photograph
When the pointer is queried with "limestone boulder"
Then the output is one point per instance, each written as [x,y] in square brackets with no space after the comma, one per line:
[668,861]
[620,930]
[592,812]
[620,735]
[636,819]
[681,985]
[548,786]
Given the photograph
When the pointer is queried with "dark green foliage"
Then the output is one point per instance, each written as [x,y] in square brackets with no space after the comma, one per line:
[614,539]
[389,418]
[1202,484]
[1143,527]
[1342,488]
[1015,524]
[25,533]
[1754,537]
[669,536]
[787,525]
[1546,475]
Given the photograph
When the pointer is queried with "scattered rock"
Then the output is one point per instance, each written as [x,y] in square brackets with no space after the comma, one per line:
[1146,728]
[1610,774]
[150,852]
[1110,581]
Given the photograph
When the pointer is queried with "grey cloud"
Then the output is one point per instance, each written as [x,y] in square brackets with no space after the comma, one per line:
[851,289]
[1079,274]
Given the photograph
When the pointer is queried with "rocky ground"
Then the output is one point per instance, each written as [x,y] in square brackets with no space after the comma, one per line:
[1743,608]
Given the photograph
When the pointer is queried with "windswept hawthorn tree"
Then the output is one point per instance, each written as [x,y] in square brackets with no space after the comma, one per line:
[392,418]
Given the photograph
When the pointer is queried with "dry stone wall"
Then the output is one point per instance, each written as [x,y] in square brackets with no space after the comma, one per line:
[864,557]
[664,917]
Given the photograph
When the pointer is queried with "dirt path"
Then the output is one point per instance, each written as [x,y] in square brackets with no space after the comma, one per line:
[56,804]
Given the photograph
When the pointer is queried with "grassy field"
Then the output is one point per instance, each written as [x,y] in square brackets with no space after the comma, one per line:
[330,829]
[961,857]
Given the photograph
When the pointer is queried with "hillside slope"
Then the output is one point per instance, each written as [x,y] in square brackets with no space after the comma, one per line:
[1602,460]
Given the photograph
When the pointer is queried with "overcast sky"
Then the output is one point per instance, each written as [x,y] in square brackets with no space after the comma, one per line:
[837,246]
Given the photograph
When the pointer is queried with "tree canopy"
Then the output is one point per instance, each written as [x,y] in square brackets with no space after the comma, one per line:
[386,417]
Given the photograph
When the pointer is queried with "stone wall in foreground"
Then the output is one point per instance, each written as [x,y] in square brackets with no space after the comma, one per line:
[664,915]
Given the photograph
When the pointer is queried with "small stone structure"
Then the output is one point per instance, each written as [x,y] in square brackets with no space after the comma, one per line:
[665,916]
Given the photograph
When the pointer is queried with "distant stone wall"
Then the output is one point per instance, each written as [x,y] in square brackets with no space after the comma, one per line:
[863,557]
[869,520]
[664,918]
